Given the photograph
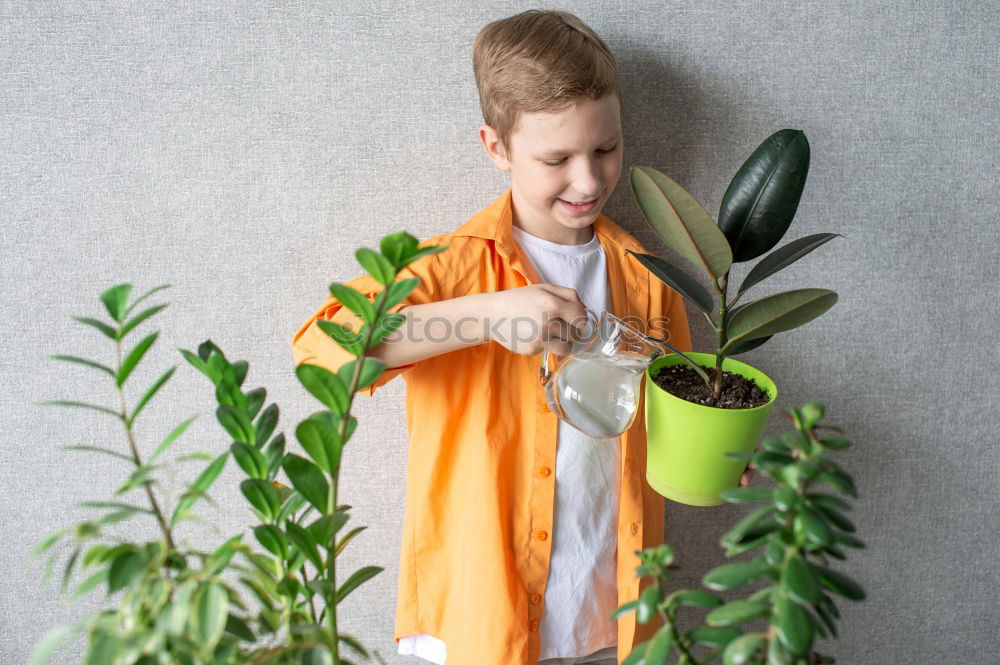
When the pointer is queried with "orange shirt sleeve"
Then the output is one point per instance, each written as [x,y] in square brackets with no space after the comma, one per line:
[313,346]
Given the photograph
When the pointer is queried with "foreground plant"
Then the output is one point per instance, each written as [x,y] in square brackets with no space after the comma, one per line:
[175,604]
[756,211]
[796,531]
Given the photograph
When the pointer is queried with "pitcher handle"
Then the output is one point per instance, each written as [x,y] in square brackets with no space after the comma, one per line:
[543,371]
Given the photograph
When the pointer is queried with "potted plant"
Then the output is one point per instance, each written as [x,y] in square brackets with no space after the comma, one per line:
[698,406]
[174,603]
[796,531]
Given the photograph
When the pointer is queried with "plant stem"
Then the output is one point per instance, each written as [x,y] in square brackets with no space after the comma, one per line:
[720,336]
[331,561]
[135,451]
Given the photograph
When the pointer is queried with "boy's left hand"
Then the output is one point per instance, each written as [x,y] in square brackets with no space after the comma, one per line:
[747,475]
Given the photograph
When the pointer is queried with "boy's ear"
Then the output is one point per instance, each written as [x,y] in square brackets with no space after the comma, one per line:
[494,148]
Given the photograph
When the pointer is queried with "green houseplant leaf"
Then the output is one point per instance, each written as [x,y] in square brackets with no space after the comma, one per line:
[762,198]
[680,221]
[782,257]
[677,279]
[778,313]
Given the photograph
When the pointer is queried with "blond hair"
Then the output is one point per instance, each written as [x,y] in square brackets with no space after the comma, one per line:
[539,60]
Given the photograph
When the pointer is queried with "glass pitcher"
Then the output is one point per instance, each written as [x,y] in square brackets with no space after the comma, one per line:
[596,387]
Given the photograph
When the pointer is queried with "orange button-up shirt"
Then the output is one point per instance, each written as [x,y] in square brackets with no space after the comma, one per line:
[480,474]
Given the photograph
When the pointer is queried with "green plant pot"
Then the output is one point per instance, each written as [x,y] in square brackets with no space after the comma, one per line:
[686,442]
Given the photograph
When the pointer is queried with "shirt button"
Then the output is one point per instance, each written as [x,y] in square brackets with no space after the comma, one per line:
[541,535]
[533,625]
[544,471]
[634,528]
[536,598]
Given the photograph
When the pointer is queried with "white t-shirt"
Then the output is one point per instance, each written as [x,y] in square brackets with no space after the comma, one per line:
[582,588]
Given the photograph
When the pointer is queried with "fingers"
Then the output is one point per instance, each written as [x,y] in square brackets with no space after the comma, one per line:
[561,291]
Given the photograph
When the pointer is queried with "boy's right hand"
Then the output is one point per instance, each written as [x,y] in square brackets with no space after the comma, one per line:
[531,318]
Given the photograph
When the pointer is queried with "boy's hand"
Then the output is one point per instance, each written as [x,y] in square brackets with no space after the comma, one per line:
[747,475]
[531,318]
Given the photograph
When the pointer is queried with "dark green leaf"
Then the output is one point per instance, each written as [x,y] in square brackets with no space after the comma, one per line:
[837,519]
[635,656]
[697,598]
[238,627]
[139,318]
[746,345]
[357,579]
[255,400]
[759,516]
[648,600]
[678,280]
[398,247]
[848,540]
[150,393]
[308,479]
[266,423]
[88,363]
[835,443]
[732,575]
[103,451]
[114,300]
[397,292]
[325,386]
[385,327]
[321,440]
[263,496]
[746,494]
[742,650]
[713,636]
[177,431]
[102,649]
[133,358]
[99,325]
[811,527]
[354,301]
[274,452]
[125,568]
[658,649]
[838,483]
[794,627]
[326,527]
[83,405]
[137,301]
[736,612]
[272,539]
[800,580]
[783,257]
[236,423]
[778,313]
[250,460]
[377,265]
[350,341]
[199,488]
[346,539]
[761,200]
[302,539]
[371,368]
[623,610]
[228,393]
[211,610]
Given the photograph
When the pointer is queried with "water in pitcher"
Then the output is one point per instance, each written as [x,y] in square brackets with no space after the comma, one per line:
[597,392]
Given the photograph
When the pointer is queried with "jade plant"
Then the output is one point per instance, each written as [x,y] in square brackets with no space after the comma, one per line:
[170,602]
[756,211]
[794,534]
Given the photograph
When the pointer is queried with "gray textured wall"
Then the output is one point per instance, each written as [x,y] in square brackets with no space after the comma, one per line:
[242,151]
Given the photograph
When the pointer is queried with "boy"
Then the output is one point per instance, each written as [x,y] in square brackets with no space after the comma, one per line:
[520,532]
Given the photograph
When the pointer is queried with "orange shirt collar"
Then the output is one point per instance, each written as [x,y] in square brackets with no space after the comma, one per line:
[494,222]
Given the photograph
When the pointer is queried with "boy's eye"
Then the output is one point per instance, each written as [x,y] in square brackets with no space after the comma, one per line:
[557,163]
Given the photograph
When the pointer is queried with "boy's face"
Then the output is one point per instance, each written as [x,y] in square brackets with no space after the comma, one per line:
[571,156]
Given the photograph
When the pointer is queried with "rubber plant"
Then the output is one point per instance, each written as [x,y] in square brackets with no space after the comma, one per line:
[169,602]
[756,211]
[792,536]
